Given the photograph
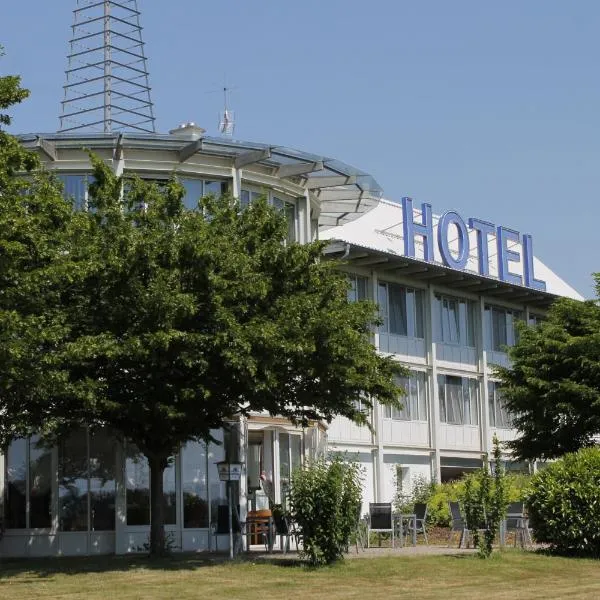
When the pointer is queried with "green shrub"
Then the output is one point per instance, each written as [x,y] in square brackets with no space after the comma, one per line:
[325,500]
[438,513]
[564,504]
[420,491]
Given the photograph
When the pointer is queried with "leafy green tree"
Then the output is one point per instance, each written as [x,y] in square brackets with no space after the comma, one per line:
[35,267]
[552,387]
[183,320]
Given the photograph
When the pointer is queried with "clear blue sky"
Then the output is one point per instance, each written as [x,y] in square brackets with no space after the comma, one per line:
[489,108]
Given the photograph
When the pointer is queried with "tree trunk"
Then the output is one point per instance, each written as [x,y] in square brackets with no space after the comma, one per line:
[157,465]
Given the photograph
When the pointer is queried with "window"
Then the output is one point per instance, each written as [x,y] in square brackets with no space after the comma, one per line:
[290,459]
[455,321]
[534,320]
[500,327]
[75,188]
[289,211]
[194,485]
[358,288]
[415,400]
[248,196]
[137,479]
[499,415]
[458,400]
[401,310]
[198,188]
[87,482]
[28,484]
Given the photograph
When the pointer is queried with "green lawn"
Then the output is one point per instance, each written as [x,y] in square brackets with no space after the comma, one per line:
[511,574]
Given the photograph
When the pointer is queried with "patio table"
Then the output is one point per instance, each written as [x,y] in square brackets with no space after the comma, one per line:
[400,519]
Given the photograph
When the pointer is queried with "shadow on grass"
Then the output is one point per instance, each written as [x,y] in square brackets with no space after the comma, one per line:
[48,567]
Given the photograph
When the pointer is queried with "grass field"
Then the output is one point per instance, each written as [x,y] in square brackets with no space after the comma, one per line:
[510,574]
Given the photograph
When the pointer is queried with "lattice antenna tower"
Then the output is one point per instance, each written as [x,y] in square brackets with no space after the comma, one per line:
[107,85]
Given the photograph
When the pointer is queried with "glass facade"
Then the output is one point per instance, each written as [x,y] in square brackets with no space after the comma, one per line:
[289,211]
[87,482]
[137,484]
[454,321]
[194,485]
[458,400]
[401,310]
[290,458]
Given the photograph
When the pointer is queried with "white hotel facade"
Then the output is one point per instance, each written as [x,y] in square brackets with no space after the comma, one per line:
[448,325]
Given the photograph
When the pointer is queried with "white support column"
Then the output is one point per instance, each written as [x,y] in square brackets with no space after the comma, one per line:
[243,454]
[377,422]
[486,442]
[236,186]
[121,541]
[434,406]
[307,222]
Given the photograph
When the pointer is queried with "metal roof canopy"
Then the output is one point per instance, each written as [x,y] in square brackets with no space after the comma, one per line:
[404,266]
[344,192]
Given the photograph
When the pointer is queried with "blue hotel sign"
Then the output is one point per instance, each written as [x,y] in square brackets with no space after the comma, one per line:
[458,259]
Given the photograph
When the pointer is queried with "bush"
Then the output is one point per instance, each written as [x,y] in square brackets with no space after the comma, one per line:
[420,491]
[325,500]
[564,504]
[438,513]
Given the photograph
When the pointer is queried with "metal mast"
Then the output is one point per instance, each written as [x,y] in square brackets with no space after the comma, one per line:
[107,85]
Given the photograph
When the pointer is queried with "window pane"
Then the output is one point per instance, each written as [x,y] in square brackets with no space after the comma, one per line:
[470,324]
[73,482]
[40,484]
[473,397]
[195,489]
[437,319]
[404,412]
[16,484]
[75,189]
[290,217]
[498,329]
[170,494]
[419,320]
[382,299]
[137,481]
[397,308]
[193,192]
[491,404]
[244,199]
[422,390]
[216,188]
[454,400]
[361,288]
[284,463]
[296,451]
[441,383]
[103,480]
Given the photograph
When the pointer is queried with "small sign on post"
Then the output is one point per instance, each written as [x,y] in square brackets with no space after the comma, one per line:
[228,472]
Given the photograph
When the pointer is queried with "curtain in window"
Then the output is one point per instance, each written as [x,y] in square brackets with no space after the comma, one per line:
[397,304]
[492,404]
[404,413]
[422,391]
[454,400]
[498,329]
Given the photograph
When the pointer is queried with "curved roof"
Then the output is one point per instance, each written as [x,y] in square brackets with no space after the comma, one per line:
[343,192]
[381,232]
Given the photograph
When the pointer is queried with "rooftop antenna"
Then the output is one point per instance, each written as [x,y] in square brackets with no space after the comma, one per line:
[107,87]
[227,117]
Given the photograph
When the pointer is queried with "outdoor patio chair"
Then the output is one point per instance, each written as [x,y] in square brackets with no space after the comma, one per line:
[381,520]
[360,530]
[457,523]
[517,522]
[221,525]
[284,528]
[418,522]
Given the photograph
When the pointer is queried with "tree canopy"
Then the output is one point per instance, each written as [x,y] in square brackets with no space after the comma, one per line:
[162,323]
[552,387]
[35,266]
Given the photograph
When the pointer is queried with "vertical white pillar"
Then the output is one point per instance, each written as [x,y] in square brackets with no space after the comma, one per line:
[307,221]
[434,402]
[486,442]
[377,420]
[121,542]
[236,185]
